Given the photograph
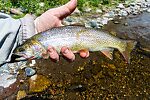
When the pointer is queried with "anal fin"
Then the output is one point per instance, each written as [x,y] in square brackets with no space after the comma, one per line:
[108,53]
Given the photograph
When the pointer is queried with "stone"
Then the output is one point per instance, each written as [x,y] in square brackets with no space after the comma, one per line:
[123,13]
[29,71]
[110,14]
[76,11]
[99,11]
[93,24]
[121,6]
[16,11]
[21,94]
[38,83]
[87,9]
[148,10]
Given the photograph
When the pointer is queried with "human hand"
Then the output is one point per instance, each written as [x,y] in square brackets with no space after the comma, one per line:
[53,18]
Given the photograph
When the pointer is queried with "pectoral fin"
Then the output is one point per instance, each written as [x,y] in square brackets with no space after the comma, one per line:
[108,53]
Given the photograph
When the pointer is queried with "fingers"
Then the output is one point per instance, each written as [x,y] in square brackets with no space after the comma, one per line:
[53,17]
[66,52]
[53,53]
[65,10]
[84,53]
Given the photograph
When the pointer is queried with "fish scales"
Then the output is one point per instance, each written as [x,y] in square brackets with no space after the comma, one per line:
[76,38]
[71,35]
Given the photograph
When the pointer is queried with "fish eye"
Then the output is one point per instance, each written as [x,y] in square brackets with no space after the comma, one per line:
[21,49]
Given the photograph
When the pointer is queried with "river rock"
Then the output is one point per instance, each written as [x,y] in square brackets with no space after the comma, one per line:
[29,71]
[110,14]
[99,11]
[21,94]
[87,9]
[148,10]
[76,11]
[123,13]
[121,6]
[16,11]
[93,24]
[38,83]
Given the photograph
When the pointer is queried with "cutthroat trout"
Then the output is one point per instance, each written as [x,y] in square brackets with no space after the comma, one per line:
[76,38]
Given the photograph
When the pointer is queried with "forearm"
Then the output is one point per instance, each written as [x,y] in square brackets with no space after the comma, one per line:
[13,32]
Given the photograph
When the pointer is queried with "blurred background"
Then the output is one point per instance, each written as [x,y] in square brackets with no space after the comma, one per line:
[39,6]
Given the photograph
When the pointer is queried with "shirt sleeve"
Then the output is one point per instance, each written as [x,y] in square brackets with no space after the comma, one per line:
[13,32]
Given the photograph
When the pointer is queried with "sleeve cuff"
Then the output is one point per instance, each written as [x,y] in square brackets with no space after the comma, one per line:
[27,28]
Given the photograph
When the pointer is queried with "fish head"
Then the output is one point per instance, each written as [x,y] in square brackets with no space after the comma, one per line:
[31,49]
[23,53]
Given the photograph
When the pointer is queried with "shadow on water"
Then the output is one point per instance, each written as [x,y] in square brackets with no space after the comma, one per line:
[98,77]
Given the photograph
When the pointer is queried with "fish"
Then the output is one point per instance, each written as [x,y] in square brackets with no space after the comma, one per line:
[77,38]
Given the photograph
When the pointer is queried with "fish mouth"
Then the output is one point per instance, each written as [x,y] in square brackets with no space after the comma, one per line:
[20,56]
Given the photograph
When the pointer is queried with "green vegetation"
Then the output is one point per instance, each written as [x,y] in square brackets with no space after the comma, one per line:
[33,6]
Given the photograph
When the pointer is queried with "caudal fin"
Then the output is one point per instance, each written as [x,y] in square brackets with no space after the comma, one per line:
[130,44]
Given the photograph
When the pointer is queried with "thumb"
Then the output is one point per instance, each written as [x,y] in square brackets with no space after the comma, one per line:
[52,17]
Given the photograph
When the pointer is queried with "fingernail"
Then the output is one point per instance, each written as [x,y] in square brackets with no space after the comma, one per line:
[57,58]
[87,55]
[66,51]
[50,50]
[84,54]
[73,58]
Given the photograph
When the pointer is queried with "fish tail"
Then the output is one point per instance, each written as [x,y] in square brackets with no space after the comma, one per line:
[130,44]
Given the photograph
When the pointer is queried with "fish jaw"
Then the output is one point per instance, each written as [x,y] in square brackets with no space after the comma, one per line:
[20,59]
[22,56]
[31,49]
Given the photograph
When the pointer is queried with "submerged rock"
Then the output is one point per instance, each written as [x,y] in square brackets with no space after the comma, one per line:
[38,83]
[29,71]
[77,87]
[21,94]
